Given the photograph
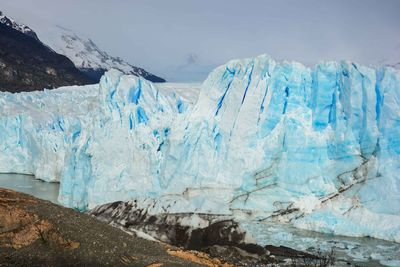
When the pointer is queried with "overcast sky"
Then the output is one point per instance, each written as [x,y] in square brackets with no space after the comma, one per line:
[183,40]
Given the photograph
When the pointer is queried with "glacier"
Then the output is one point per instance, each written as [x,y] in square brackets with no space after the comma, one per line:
[318,148]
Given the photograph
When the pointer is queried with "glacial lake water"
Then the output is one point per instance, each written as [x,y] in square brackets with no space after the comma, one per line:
[29,185]
[349,251]
[366,252]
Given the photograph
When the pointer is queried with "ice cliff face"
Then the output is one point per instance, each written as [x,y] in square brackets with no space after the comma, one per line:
[318,148]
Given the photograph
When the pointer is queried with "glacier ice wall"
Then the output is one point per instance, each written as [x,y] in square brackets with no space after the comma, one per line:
[318,148]
[35,132]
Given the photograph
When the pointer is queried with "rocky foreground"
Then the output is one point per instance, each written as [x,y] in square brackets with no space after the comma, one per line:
[35,232]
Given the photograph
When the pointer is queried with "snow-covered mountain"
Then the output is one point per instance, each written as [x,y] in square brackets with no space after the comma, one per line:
[318,148]
[27,64]
[89,58]
[192,68]
[82,51]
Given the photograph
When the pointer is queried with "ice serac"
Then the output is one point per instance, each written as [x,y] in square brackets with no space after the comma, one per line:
[37,129]
[124,155]
[316,147]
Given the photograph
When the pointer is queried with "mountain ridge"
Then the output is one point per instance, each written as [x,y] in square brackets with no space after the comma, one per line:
[26,64]
[81,51]
[90,59]
[17,26]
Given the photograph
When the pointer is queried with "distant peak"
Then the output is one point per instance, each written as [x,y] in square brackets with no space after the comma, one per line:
[192,59]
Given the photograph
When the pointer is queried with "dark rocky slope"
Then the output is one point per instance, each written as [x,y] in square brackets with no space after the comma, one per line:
[26,64]
[29,64]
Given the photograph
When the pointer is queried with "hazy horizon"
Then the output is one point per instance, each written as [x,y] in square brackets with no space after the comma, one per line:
[184,40]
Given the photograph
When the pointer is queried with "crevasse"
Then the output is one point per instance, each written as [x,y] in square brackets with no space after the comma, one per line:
[318,148]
